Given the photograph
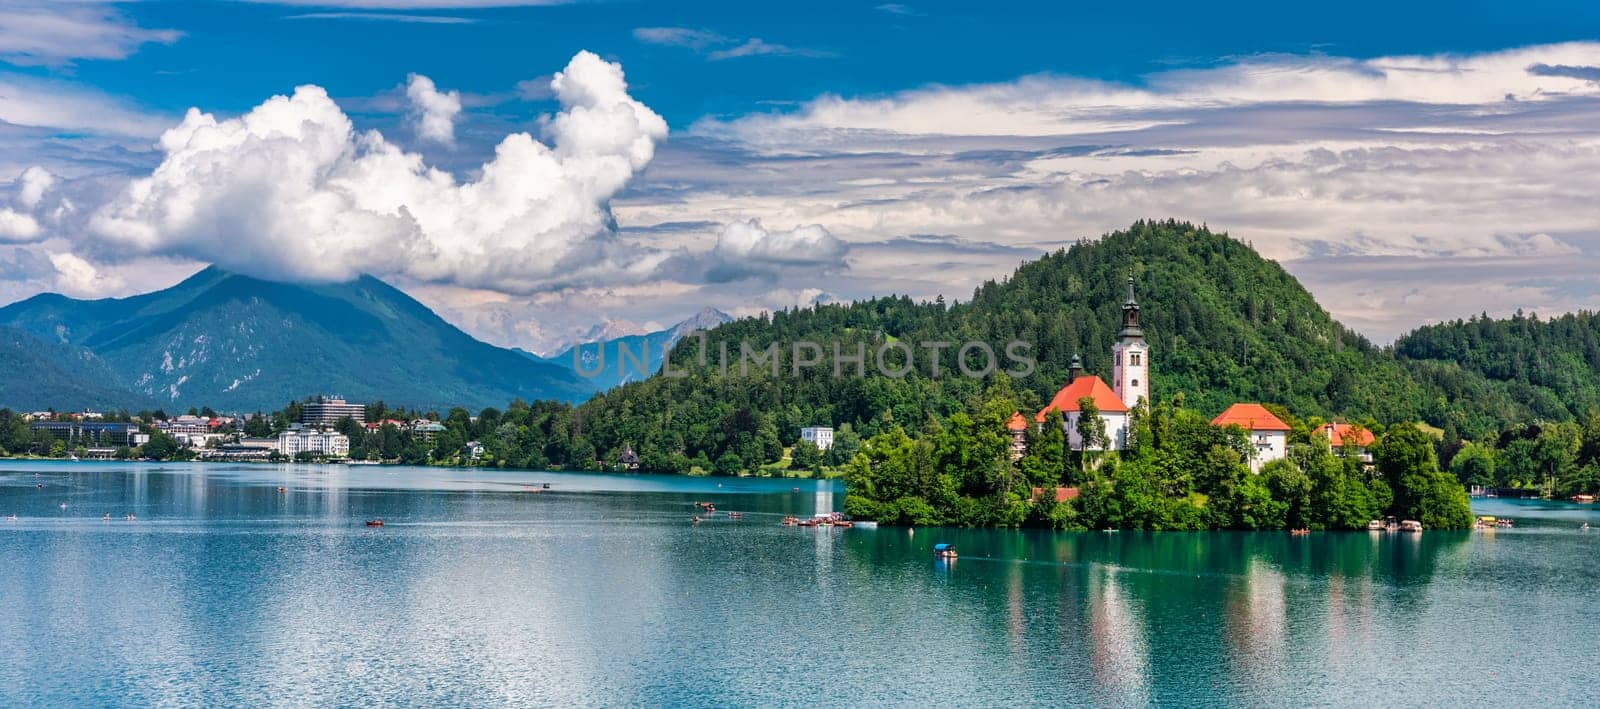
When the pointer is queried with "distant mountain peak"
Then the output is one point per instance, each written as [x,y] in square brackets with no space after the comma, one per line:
[228,340]
[706,319]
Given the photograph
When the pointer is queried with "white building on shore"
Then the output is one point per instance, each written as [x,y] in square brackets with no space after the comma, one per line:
[819,436]
[1269,435]
[295,441]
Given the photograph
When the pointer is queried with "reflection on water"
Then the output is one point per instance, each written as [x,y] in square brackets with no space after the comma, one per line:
[1120,658]
[482,588]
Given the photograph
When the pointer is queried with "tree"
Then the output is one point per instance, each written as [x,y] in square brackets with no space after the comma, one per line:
[1474,464]
[805,456]
[1406,459]
[1044,465]
[729,464]
[160,447]
[257,426]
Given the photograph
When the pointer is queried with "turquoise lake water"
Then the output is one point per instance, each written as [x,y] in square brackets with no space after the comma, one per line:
[599,591]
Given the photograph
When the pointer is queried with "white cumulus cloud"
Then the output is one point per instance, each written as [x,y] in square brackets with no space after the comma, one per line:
[76,276]
[432,112]
[291,190]
[16,226]
[32,185]
[746,248]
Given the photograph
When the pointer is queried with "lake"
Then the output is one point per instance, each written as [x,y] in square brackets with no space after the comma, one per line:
[481,589]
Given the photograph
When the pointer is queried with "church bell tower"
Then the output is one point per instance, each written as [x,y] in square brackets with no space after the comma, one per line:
[1131,356]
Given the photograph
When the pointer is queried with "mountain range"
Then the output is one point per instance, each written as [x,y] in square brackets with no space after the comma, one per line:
[238,343]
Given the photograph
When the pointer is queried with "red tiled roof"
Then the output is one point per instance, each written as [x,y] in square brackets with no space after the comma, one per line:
[1062,493]
[1250,417]
[1066,400]
[1336,433]
[1017,422]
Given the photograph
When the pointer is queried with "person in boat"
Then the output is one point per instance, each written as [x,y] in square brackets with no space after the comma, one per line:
[944,551]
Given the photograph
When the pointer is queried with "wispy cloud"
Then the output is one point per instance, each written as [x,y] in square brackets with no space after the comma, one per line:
[64,106]
[385,17]
[56,33]
[895,8]
[414,4]
[756,47]
[680,37]
[718,47]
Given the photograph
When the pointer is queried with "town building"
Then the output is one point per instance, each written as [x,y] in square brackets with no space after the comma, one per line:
[426,430]
[184,426]
[327,411]
[1269,435]
[246,449]
[93,433]
[297,440]
[1338,435]
[819,436]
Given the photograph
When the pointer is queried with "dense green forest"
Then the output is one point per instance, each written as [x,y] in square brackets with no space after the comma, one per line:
[1552,366]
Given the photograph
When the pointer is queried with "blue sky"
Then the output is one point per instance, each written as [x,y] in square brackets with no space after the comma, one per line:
[1408,162]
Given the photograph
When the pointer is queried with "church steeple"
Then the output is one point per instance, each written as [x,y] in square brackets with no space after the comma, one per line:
[1130,376]
[1130,314]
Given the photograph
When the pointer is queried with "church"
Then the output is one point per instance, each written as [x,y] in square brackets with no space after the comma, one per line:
[1129,388]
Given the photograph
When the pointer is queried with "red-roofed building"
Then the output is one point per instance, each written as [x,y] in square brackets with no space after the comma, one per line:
[1062,494]
[1018,428]
[1113,412]
[1268,434]
[1340,434]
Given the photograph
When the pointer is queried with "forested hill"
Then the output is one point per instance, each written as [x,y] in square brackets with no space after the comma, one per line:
[1553,365]
[1224,324]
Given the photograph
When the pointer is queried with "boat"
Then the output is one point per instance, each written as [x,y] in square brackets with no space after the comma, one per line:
[1583,499]
[865,524]
[790,521]
[735,515]
[545,486]
[845,523]
[1300,531]
[1410,525]
[1485,522]
[1375,525]
[374,523]
[944,551]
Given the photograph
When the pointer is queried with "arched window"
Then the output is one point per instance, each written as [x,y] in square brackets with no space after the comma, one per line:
[1135,382]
